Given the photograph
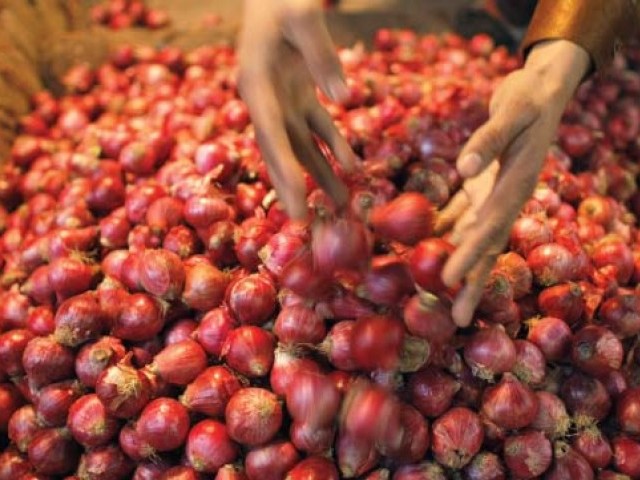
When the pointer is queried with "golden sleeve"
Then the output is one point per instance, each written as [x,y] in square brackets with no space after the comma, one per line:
[598,26]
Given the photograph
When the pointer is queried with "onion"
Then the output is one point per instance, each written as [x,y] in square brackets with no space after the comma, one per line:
[593,446]
[209,447]
[10,401]
[486,466]
[162,273]
[387,282]
[355,456]
[139,320]
[310,439]
[179,331]
[596,350]
[426,262]
[312,399]
[621,313]
[551,263]
[628,411]
[53,452]
[203,211]
[376,342]
[510,404]
[568,463]
[432,391]
[372,414]
[12,346]
[340,244]
[427,317]
[281,249]
[105,463]
[93,358]
[14,309]
[337,345]
[253,235]
[489,352]
[114,230]
[182,241]
[79,319]
[527,455]
[527,233]
[132,444]
[552,418]
[22,427]
[89,422]
[179,363]
[252,299]
[249,350]
[286,365]
[253,416]
[612,251]
[299,324]
[45,361]
[530,365]
[302,278]
[415,437]
[54,402]
[13,465]
[210,391]
[564,301]
[517,271]
[457,436]
[313,467]
[626,456]
[407,219]
[551,335]
[37,286]
[123,390]
[231,472]
[585,396]
[213,330]
[420,471]
[163,424]
[271,461]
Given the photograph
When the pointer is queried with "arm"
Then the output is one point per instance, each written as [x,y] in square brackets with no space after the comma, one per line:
[284,51]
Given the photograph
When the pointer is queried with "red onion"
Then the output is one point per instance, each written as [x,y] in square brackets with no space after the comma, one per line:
[564,301]
[103,463]
[281,249]
[407,219]
[611,250]
[568,463]
[376,342]
[628,411]
[53,452]
[93,358]
[249,350]
[552,418]
[585,396]
[337,345]
[528,233]
[310,439]
[22,427]
[182,241]
[432,391]
[211,390]
[313,467]
[253,416]
[252,299]
[162,273]
[299,324]
[203,211]
[551,335]
[179,363]
[12,346]
[551,263]
[163,214]
[163,424]
[271,461]
[415,437]
[596,350]
[427,317]
[593,446]
[54,402]
[426,262]
[14,309]
[13,465]
[530,365]
[312,399]
[340,244]
[66,242]
[37,286]
[253,235]
[79,319]
[387,282]
[140,319]
[123,390]
[489,352]
[213,330]
[132,444]
[517,271]
[486,466]
[355,456]
[231,472]
[621,313]
[626,456]
[510,404]
[114,230]
[90,423]
[10,401]
[179,331]
[527,455]
[45,361]
[302,278]
[286,365]
[420,471]
[457,436]
[209,447]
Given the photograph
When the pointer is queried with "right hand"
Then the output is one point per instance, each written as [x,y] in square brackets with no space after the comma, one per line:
[284,51]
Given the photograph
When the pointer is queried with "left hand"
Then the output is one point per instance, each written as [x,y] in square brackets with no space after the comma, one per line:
[501,163]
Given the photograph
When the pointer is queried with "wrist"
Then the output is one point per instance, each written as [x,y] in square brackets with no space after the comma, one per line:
[560,63]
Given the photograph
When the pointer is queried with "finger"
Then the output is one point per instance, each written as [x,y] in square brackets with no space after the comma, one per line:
[469,296]
[322,123]
[284,170]
[315,163]
[493,138]
[448,216]
[497,214]
[307,30]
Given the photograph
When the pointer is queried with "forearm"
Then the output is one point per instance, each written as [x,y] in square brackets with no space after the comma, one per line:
[599,27]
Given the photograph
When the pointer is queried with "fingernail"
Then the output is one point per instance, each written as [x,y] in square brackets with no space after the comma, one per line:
[337,89]
[470,164]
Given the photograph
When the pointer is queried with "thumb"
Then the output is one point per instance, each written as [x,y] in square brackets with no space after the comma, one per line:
[491,140]
[307,31]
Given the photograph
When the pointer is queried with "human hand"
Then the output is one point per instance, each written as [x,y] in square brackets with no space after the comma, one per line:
[284,51]
[501,162]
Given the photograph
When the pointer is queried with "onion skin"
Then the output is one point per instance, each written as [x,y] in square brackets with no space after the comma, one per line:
[457,436]
[596,350]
